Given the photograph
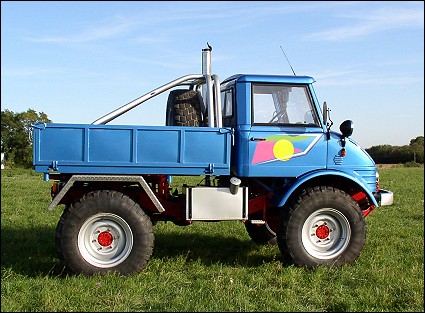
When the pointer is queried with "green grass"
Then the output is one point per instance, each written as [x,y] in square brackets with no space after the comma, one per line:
[214,266]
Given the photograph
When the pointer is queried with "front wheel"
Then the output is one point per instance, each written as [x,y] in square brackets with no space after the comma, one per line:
[104,231]
[324,226]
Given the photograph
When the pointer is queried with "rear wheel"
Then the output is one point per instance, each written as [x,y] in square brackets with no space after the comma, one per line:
[325,226]
[104,231]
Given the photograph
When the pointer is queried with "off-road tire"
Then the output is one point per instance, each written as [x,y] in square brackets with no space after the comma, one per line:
[184,108]
[324,226]
[104,231]
[261,234]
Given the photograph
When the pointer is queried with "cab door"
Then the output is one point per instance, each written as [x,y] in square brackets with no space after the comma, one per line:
[285,138]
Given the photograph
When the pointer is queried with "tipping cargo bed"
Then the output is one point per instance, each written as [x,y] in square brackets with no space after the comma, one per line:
[131,150]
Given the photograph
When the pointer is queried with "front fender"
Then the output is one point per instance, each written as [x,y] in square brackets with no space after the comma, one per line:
[312,175]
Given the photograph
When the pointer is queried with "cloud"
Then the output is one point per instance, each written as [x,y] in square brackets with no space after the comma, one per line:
[38,72]
[356,78]
[110,29]
[167,16]
[371,22]
[28,72]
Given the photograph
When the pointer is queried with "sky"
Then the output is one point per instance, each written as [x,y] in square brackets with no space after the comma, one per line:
[77,61]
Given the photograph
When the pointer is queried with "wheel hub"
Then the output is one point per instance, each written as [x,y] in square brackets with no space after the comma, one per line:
[105,238]
[322,232]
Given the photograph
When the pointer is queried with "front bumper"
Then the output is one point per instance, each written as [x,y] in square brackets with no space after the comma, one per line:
[384,197]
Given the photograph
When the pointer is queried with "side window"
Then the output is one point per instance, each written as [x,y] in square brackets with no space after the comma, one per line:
[227,103]
[283,104]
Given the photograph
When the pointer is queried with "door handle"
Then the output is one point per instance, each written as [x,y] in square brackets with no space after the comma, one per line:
[257,139]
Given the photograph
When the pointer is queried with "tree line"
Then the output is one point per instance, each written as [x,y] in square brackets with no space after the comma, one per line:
[387,154]
[16,136]
[16,142]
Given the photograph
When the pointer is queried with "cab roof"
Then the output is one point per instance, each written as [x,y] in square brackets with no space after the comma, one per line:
[270,79]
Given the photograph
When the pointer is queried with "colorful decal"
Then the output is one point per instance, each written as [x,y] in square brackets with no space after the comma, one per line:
[283,147]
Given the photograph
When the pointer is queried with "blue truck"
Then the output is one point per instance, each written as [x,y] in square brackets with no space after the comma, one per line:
[261,149]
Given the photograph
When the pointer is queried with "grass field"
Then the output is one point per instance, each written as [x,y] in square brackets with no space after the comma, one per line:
[214,267]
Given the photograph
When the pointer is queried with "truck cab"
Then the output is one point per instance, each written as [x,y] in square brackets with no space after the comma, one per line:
[280,130]
[278,126]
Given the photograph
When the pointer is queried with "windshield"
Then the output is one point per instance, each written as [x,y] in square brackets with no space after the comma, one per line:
[283,104]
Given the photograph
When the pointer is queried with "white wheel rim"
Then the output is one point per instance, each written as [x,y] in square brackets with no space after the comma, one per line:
[326,233]
[105,240]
